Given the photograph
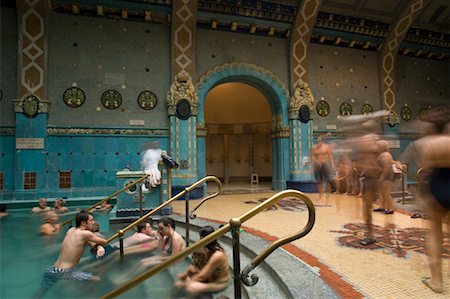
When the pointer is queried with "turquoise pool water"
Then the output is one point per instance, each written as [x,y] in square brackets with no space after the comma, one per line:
[24,255]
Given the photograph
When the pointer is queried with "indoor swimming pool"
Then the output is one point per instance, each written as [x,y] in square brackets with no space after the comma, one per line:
[24,256]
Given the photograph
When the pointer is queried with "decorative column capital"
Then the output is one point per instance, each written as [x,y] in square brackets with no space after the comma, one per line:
[302,96]
[182,88]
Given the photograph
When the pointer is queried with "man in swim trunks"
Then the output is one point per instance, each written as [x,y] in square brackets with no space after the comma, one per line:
[432,154]
[72,248]
[322,157]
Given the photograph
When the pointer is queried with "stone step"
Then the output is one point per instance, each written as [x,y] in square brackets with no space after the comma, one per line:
[281,275]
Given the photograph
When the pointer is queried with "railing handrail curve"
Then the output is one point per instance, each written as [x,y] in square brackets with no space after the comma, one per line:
[219,184]
[220,232]
[127,186]
[177,196]
[416,177]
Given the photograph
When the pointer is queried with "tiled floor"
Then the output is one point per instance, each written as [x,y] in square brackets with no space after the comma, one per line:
[388,271]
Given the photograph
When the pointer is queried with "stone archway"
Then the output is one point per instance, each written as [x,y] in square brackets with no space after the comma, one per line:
[278,97]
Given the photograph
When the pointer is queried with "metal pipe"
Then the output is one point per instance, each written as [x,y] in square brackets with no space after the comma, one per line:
[235,227]
[186,216]
[140,202]
[192,214]
[121,246]
[289,238]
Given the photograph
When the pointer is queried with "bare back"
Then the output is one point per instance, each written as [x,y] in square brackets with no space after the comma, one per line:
[433,151]
[73,245]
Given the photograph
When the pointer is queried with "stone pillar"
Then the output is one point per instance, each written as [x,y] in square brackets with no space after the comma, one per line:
[31,106]
[183,130]
[301,33]
[388,55]
[301,133]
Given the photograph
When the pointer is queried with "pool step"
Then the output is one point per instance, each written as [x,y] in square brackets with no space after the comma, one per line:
[281,275]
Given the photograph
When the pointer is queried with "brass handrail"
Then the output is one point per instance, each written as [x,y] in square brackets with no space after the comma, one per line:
[417,178]
[180,194]
[223,230]
[191,213]
[140,180]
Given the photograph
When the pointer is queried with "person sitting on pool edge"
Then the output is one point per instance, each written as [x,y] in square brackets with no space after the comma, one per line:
[209,270]
[42,207]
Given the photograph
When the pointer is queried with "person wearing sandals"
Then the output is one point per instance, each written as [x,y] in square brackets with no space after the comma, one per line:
[386,177]
[432,154]
[209,271]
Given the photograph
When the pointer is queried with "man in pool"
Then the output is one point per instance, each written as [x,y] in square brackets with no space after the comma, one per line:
[72,248]
[42,207]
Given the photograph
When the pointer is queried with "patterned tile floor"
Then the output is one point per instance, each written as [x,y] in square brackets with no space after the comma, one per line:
[392,268]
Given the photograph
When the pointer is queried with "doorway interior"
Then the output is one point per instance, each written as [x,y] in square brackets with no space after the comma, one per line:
[238,119]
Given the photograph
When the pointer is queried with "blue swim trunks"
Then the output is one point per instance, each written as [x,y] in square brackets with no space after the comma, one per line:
[53,274]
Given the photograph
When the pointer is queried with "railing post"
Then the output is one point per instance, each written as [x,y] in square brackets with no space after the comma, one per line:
[186,205]
[121,232]
[140,201]
[235,227]
[121,246]
[403,188]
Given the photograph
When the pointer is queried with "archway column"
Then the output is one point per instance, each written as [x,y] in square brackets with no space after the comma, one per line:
[301,135]
[183,131]
[300,143]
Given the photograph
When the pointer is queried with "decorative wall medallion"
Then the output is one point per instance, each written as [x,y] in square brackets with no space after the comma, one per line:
[422,112]
[393,119]
[111,99]
[74,97]
[147,100]
[366,109]
[323,108]
[406,113]
[345,109]
[183,109]
[30,106]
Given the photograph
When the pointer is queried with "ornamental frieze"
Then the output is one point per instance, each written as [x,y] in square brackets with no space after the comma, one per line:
[96,131]
[7,131]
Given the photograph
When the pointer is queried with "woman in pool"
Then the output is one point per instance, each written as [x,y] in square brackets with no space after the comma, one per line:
[171,242]
[60,206]
[208,272]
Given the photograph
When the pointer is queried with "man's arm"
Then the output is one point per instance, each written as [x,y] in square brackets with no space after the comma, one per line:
[91,238]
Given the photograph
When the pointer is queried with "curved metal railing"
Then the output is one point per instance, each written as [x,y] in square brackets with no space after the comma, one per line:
[191,213]
[234,225]
[157,209]
[140,180]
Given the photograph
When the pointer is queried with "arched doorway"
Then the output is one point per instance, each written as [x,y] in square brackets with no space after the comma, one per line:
[238,119]
[277,96]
